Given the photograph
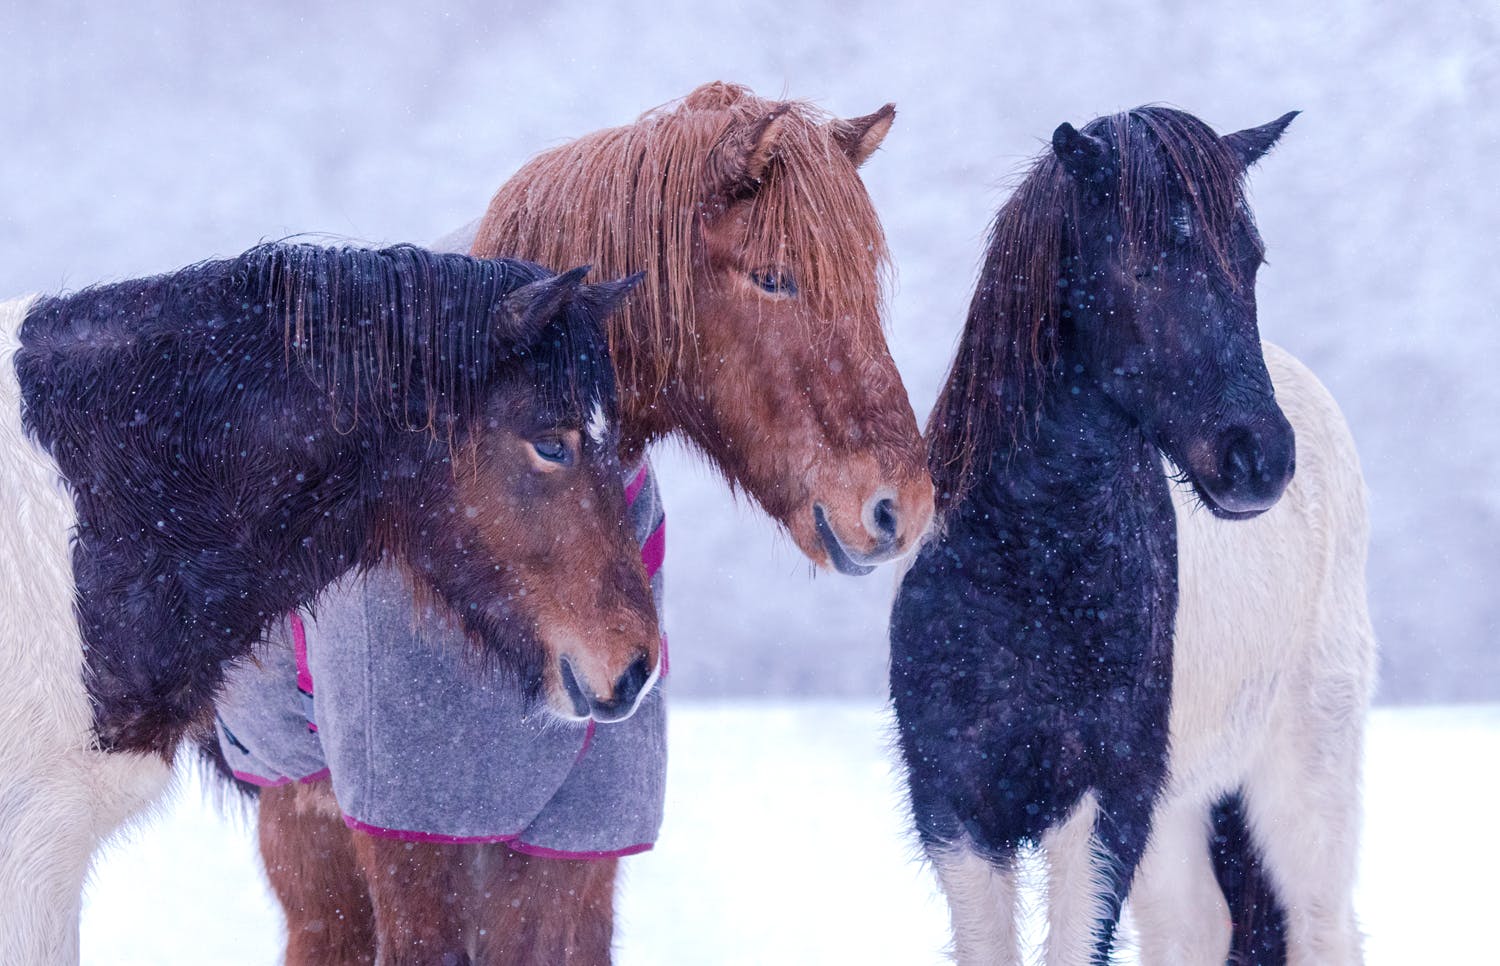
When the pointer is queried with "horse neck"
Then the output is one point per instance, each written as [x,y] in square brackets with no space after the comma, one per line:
[1081,478]
[1074,520]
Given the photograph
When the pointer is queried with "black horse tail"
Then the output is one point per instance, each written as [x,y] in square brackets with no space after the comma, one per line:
[1259,922]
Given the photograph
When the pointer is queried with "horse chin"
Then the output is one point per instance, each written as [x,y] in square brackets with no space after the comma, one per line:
[1223,512]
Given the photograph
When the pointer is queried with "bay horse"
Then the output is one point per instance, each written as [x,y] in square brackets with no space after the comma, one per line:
[757,338]
[190,456]
[1032,641]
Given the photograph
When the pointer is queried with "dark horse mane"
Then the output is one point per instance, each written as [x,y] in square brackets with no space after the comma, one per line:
[992,395]
[401,334]
[238,434]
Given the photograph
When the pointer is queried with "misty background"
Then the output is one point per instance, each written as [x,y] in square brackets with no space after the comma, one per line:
[137,138]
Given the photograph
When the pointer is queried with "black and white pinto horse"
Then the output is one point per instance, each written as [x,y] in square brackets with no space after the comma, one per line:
[1032,639]
[189,457]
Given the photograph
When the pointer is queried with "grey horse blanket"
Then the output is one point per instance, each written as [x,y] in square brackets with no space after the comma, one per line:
[423,743]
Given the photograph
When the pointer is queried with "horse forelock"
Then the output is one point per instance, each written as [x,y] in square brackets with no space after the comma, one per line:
[568,369]
[633,198]
[406,334]
[1169,159]
[1161,157]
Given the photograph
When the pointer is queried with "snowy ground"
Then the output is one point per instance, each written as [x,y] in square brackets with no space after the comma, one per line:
[785,844]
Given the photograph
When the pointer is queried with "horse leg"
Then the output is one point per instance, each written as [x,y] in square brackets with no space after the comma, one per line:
[1091,859]
[1078,885]
[419,893]
[310,862]
[53,815]
[1179,911]
[981,903]
[1303,815]
[531,909]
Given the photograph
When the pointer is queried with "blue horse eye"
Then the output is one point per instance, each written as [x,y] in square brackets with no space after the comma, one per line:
[552,450]
[775,282]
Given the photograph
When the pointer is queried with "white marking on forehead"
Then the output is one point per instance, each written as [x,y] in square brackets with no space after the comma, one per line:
[597,426]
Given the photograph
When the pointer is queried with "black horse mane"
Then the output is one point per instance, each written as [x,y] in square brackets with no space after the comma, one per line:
[401,334]
[1159,158]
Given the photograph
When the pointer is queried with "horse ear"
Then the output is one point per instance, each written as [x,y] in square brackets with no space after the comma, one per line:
[1082,155]
[605,297]
[1251,144]
[738,163]
[860,136]
[524,312]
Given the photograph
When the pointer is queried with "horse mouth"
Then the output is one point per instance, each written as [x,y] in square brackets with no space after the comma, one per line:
[1218,509]
[842,560]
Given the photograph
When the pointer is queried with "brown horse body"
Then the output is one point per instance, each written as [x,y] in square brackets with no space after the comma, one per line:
[757,336]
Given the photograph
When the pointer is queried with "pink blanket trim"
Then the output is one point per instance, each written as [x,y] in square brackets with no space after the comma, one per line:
[543,852]
[512,841]
[265,782]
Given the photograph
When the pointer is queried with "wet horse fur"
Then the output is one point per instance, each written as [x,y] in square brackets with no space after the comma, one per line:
[1032,640]
[190,456]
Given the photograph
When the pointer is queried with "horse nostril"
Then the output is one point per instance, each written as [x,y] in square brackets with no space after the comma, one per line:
[1243,460]
[629,686]
[884,518]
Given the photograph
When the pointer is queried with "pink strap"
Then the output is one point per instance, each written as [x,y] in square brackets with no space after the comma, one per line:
[299,648]
[588,739]
[654,550]
[404,835]
[633,488]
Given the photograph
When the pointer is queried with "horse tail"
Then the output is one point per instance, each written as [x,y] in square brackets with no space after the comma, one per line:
[1259,937]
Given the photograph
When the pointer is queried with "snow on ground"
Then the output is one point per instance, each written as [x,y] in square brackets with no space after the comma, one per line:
[785,843]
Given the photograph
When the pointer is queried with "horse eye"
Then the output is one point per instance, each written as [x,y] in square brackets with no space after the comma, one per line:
[774,281]
[1144,272]
[551,449]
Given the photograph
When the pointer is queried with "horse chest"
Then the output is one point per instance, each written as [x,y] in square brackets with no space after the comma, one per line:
[1031,647]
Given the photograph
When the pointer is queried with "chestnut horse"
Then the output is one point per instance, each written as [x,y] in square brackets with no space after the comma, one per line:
[757,337]
[190,456]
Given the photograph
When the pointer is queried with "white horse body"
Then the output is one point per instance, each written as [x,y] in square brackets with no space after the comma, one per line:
[59,795]
[1274,669]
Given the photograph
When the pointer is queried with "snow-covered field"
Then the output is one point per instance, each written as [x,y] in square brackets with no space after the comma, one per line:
[784,843]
